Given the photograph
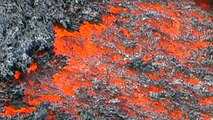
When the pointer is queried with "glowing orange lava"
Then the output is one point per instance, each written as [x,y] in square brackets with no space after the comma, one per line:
[99,52]
[17,75]
[33,67]
[11,111]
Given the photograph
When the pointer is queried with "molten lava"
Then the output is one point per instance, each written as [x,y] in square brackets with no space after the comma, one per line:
[163,51]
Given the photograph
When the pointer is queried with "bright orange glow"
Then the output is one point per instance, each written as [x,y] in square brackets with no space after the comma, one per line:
[177,114]
[117,1]
[11,111]
[17,75]
[115,10]
[155,77]
[33,67]
[206,101]
[125,32]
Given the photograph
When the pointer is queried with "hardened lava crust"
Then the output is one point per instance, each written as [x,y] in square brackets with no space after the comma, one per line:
[114,60]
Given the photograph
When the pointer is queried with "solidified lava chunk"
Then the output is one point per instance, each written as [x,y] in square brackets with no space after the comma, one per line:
[139,64]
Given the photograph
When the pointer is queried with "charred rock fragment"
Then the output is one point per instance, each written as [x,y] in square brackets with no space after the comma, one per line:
[139,64]
[40,113]
[12,94]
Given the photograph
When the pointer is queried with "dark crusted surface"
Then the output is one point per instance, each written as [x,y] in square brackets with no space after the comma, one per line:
[26,27]
[12,94]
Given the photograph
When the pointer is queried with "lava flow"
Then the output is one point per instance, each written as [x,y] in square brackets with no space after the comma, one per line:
[143,61]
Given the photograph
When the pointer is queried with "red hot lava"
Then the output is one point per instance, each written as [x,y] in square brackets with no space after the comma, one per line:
[98,54]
